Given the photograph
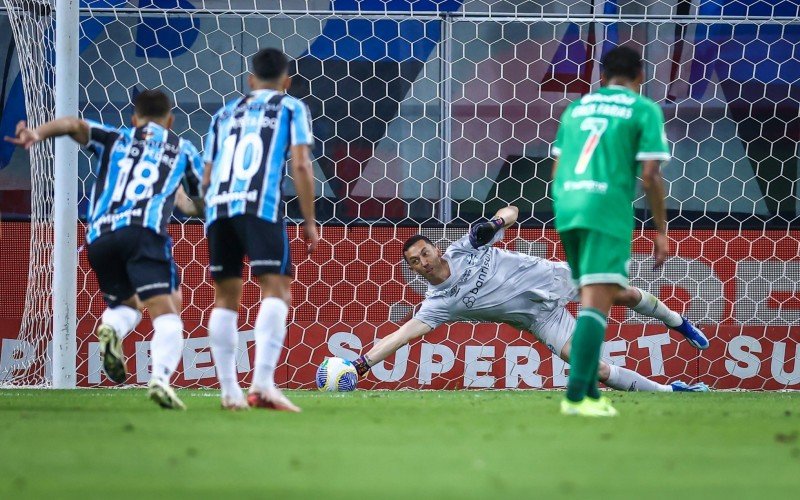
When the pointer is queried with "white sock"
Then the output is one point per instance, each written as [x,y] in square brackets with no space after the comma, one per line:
[270,332]
[166,346]
[651,307]
[623,379]
[223,340]
[122,319]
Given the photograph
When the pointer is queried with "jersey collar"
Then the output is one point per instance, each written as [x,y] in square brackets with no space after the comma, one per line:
[154,124]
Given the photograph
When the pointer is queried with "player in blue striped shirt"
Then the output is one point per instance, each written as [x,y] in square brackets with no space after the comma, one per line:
[246,150]
[139,170]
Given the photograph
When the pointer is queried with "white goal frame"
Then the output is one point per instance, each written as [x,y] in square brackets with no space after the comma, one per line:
[65,255]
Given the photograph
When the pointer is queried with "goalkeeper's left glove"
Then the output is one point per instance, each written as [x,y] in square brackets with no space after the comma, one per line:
[481,234]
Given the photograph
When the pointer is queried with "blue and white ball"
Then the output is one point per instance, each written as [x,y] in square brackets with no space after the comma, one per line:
[336,375]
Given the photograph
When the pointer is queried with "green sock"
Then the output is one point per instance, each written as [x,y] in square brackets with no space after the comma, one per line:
[593,391]
[590,330]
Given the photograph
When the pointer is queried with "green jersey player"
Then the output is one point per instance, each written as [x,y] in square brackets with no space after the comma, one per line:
[605,140]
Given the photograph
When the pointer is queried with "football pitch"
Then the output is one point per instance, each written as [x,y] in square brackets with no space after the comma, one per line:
[114,444]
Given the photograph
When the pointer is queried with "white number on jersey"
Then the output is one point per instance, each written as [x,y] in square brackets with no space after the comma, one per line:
[135,185]
[242,156]
[596,127]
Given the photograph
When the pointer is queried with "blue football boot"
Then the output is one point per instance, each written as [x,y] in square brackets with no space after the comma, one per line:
[692,334]
[684,387]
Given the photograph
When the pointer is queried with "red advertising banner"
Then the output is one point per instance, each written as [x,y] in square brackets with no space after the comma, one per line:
[741,287]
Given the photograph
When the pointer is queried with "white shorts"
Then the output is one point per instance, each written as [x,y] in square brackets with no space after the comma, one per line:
[555,330]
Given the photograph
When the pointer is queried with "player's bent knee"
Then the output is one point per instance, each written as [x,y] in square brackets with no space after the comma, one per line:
[132,302]
[177,299]
[276,285]
[599,296]
[228,293]
[564,354]
[604,371]
[159,305]
[627,297]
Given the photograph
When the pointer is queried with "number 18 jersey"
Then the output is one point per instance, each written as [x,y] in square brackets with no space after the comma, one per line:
[601,140]
[138,172]
[248,144]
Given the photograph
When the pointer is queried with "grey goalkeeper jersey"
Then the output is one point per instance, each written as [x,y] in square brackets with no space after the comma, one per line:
[488,284]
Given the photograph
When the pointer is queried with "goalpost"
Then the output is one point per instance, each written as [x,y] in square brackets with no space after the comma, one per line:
[65,200]
[428,118]
[49,67]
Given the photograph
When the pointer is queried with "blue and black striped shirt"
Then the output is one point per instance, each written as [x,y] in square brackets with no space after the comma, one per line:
[248,144]
[138,172]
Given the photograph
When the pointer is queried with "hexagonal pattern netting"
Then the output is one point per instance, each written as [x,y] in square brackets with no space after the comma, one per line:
[429,115]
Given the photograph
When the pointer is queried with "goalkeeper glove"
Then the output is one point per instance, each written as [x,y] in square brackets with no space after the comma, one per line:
[362,365]
[481,234]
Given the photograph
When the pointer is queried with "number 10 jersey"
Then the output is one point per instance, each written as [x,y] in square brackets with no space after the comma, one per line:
[248,144]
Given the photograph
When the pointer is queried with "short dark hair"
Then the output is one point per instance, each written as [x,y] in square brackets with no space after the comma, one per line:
[410,242]
[269,64]
[152,104]
[622,61]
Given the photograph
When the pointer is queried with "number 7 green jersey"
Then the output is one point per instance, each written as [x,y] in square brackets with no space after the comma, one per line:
[601,140]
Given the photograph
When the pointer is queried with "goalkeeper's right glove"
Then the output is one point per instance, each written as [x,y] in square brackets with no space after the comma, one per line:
[481,234]
[362,366]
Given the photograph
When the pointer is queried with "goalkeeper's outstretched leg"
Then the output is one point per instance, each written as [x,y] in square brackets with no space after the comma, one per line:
[615,377]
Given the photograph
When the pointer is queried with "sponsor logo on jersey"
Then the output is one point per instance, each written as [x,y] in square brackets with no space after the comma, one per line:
[228,197]
[109,218]
[480,280]
[587,185]
[251,106]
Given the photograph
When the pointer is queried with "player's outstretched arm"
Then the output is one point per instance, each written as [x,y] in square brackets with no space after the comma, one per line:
[653,185]
[388,345]
[482,234]
[74,127]
[303,175]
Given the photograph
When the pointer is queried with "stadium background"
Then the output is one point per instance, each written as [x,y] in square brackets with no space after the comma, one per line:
[434,120]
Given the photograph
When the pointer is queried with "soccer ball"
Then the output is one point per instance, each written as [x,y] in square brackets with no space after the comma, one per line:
[336,375]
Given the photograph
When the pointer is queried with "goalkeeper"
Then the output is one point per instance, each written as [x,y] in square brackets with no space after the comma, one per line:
[474,281]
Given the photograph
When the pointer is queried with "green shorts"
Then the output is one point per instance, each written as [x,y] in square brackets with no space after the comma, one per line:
[596,257]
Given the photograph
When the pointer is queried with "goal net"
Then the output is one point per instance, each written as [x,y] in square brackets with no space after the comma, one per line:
[28,249]
[430,115]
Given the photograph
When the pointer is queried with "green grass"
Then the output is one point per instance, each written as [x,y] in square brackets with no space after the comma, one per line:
[116,444]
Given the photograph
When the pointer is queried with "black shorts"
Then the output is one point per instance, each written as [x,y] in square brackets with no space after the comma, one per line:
[265,243]
[133,260]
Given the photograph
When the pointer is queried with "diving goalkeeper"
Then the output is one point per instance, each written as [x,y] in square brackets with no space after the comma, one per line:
[474,281]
